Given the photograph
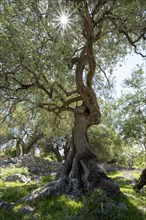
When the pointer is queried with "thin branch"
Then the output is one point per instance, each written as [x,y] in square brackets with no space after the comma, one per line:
[124,31]
[131,42]
[104,74]
[42,87]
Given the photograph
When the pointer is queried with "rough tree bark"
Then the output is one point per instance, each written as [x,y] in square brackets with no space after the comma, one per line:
[81,169]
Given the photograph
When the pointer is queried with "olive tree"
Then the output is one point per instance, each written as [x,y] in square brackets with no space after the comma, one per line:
[53,52]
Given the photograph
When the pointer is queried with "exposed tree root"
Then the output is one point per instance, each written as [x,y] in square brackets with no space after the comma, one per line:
[70,187]
[55,188]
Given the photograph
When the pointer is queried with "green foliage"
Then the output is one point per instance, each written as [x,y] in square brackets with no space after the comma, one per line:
[105,139]
[130,118]
[36,77]
[46,179]
[60,207]
[10,152]
[132,198]
[132,108]
[12,170]
[31,47]
[13,193]
[95,205]
[98,206]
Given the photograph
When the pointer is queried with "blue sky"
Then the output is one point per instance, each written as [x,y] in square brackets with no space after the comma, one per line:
[124,70]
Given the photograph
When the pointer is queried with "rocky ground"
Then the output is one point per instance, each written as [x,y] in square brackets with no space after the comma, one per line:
[35,165]
[38,168]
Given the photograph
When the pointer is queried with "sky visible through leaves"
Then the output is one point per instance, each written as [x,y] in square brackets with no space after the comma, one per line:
[125,68]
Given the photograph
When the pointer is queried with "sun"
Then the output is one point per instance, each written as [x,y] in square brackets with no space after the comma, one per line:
[63,19]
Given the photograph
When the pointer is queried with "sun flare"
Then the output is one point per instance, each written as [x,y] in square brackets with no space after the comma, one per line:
[63,19]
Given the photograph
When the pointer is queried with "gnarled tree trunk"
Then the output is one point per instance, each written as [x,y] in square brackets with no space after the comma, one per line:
[81,169]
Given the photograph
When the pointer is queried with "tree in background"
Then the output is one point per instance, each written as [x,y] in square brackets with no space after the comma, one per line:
[24,132]
[105,139]
[54,69]
[131,117]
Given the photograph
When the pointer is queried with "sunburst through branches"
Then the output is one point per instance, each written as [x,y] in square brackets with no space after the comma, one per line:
[63,19]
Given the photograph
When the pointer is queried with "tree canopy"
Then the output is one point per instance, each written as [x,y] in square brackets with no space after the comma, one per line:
[38,59]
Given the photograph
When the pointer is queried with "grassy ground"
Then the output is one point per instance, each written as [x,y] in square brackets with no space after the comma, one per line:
[94,206]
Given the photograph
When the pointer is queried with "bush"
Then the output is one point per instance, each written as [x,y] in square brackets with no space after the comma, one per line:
[10,152]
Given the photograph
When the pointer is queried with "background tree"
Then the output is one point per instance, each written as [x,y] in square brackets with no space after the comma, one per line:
[131,117]
[55,71]
[28,132]
[105,139]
